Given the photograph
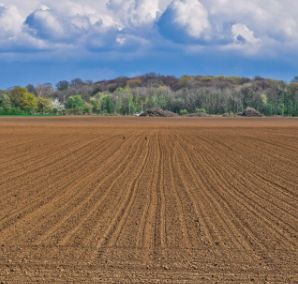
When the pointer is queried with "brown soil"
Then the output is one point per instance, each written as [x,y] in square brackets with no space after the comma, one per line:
[148,200]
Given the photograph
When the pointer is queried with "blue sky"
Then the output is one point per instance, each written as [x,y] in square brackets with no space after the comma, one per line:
[47,41]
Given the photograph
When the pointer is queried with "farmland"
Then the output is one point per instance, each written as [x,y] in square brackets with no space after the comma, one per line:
[144,200]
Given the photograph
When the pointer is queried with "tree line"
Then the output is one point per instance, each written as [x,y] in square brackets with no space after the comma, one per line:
[127,96]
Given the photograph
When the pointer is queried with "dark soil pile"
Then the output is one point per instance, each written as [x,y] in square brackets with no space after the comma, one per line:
[251,112]
[157,112]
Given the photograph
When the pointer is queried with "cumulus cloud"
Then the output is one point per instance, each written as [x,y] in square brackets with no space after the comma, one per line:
[13,37]
[267,19]
[83,26]
[185,20]
[122,24]
[242,34]
[10,21]
[137,13]
[43,23]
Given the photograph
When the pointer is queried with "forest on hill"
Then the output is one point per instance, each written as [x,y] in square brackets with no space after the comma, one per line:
[128,96]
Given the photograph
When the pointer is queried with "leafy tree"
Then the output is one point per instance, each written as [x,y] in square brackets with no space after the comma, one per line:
[125,101]
[160,95]
[96,104]
[15,96]
[76,83]
[131,105]
[44,105]
[28,102]
[22,101]
[88,108]
[62,85]
[107,104]
[5,104]
[75,104]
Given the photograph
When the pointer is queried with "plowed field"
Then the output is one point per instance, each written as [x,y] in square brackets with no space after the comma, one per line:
[144,200]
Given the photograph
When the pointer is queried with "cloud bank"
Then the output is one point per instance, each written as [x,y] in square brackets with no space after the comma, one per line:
[117,24]
[129,29]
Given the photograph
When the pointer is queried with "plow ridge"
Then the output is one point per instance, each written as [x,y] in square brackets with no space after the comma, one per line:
[82,199]
[113,231]
[256,194]
[42,199]
[218,209]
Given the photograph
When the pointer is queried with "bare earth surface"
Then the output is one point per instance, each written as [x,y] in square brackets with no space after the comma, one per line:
[144,200]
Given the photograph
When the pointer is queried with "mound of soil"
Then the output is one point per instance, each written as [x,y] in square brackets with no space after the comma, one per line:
[251,112]
[157,112]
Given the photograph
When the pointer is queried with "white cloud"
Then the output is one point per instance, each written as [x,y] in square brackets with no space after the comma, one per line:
[276,19]
[185,20]
[10,21]
[136,13]
[43,23]
[13,37]
[192,16]
[241,24]
[242,34]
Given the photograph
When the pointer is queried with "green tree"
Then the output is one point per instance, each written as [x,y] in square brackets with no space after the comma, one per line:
[96,104]
[28,102]
[126,104]
[124,101]
[131,105]
[15,96]
[75,104]
[5,104]
[62,85]
[44,105]
[88,108]
[107,104]
[269,109]
[160,96]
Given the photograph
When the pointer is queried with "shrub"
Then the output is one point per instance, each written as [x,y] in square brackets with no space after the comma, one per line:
[201,110]
[183,111]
